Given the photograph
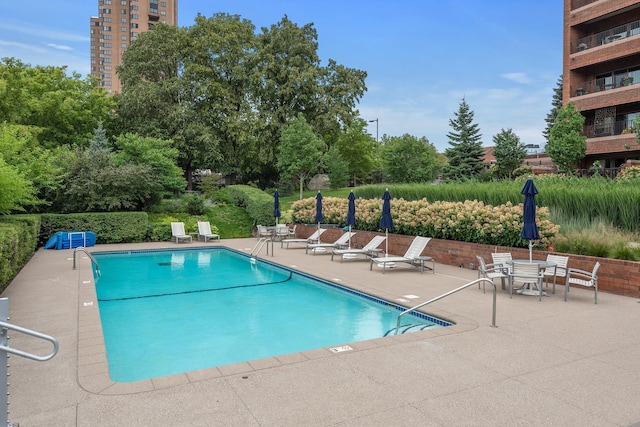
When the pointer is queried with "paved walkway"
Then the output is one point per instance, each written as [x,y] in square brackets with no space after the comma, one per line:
[547,363]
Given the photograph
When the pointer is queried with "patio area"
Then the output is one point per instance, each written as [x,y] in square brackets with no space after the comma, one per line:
[552,362]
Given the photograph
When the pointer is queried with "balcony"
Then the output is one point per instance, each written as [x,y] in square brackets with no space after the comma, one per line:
[577,4]
[605,37]
[620,127]
[614,81]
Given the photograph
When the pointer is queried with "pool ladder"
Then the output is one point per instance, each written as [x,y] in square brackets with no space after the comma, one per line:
[93,260]
[258,247]
[5,349]
[483,279]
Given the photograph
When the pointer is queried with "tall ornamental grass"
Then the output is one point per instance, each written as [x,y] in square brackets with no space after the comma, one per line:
[569,199]
[468,221]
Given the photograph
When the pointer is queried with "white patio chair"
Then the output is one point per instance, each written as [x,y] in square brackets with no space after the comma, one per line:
[527,273]
[490,271]
[583,278]
[560,269]
[178,233]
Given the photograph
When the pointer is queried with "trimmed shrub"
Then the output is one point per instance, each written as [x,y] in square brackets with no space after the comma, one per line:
[257,203]
[110,227]
[18,237]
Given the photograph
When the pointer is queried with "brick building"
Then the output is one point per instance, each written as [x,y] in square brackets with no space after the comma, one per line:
[117,25]
[601,76]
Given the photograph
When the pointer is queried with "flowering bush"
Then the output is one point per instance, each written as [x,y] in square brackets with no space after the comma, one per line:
[468,221]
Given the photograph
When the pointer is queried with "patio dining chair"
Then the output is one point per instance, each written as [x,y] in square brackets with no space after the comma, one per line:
[587,279]
[528,274]
[502,259]
[560,269]
[490,271]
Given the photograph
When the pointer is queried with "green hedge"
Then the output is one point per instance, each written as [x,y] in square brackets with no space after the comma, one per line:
[110,227]
[18,237]
[257,203]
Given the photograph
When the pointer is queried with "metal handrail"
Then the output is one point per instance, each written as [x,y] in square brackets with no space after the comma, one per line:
[52,340]
[93,260]
[483,279]
[258,247]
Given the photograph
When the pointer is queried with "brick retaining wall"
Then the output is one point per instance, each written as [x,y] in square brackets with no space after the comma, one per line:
[615,276]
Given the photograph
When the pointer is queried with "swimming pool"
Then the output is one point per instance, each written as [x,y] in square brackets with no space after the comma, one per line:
[170,311]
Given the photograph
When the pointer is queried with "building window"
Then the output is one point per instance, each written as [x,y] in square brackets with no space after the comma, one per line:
[107,19]
[107,28]
[123,20]
[108,67]
[123,29]
[123,45]
[107,45]
[163,13]
[163,3]
[134,7]
[134,16]
[107,37]
[106,1]
[123,38]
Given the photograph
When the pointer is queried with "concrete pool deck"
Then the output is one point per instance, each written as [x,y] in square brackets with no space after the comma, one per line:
[568,363]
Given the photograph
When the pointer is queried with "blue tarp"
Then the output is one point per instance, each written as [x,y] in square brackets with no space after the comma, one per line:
[71,239]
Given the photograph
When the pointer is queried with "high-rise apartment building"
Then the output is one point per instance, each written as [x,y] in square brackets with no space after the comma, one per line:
[117,26]
[601,76]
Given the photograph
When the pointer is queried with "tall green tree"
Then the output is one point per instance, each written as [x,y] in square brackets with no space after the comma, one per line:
[301,151]
[292,81]
[408,159]
[44,168]
[158,101]
[465,153]
[567,146]
[556,104]
[16,191]
[358,149]
[509,152]
[221,67]
[337,168]
[65,108]
[159,156]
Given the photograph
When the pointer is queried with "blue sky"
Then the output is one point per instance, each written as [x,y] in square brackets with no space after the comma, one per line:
[422,56]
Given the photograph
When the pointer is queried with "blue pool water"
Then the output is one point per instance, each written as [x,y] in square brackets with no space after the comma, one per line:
[167,312]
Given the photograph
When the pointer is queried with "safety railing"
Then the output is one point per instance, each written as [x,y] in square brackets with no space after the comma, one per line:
[261,243]
[5,350]
[93,260]
[483,279]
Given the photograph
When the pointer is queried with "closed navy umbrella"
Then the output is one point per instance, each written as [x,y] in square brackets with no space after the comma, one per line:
[318,209]
[351,214]
[530,229]
[276,205]
[386,221]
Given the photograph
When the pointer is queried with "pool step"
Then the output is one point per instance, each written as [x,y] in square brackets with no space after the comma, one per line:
[404,329]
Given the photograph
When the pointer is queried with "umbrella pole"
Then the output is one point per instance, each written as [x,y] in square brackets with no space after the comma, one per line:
[530,250]
[349,236]
[386,240]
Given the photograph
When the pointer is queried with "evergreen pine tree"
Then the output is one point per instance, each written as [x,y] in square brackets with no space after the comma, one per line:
[556,103]
[465,154]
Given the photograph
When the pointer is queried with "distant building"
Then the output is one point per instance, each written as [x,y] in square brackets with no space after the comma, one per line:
[601,76]
[117,26]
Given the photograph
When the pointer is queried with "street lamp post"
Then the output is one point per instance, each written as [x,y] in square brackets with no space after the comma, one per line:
[375,120]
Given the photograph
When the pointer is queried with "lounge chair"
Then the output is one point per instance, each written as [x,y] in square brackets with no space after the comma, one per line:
[314,238]
[412,256]
[341,242]
[204,231]
[368,250]
[178,233]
